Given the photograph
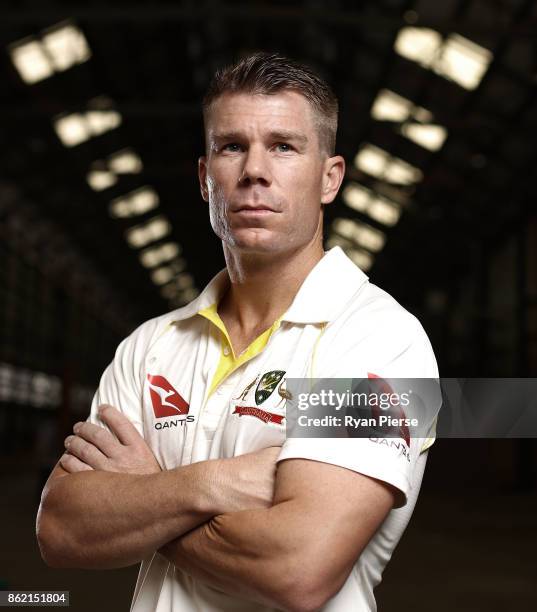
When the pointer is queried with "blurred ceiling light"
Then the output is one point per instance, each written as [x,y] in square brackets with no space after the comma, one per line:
[189,294]
[135,203]
[172,292]
[78,127]
[336,240]
[104,174]
[384,211]
[379,163]
[60,47]
[144,199]
[388,106]
[150,231]
[101,179]
[401,173]
[356,196]
[125,162]
[380,209]
[156,255]
[100,121]
[184,281]
[181,289]
[361,258]
[372,160]
[162,275]
[31,61]
[178,298]
[420,45]
[66,46]
[463,61]
[360,233]
[456,58]
[431,137]
[72,129]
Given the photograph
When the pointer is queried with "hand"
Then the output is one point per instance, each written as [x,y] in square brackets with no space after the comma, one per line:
[245,482]
[248,480]
[94,448]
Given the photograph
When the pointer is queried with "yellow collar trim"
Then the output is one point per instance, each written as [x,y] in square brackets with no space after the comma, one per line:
[229,362]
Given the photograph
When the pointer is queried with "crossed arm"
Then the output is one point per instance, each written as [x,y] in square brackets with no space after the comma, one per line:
[296,553]
[108,504]
[216,522]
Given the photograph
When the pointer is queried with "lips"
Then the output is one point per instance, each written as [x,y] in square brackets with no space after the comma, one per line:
[252,207]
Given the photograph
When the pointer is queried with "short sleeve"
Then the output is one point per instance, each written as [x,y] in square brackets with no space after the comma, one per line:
[392,345]
[121,384]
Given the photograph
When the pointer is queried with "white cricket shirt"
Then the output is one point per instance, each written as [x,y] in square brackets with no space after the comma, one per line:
[338,326]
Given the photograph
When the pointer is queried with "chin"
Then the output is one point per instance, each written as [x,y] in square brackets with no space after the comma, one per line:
[258,247]
[256,240]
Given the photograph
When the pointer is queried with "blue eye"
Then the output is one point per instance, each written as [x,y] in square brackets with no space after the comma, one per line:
[232,146]
[283,147]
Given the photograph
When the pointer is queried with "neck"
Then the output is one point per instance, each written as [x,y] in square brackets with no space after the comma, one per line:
[262,287]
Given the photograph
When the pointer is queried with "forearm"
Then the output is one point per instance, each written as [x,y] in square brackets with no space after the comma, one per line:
[251,554]
[98,519]
[296,554]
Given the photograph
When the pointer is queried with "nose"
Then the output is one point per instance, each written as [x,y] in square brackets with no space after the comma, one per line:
[256,169]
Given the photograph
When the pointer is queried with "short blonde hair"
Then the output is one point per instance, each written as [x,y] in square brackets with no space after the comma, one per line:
[270,73]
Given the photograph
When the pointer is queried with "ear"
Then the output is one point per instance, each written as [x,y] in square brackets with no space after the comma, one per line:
[202,176]
[333,173]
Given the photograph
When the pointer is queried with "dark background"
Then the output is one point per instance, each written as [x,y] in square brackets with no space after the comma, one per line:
[462,256]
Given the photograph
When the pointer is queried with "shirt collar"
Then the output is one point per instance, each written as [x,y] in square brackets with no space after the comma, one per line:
[209,296]
[325,291]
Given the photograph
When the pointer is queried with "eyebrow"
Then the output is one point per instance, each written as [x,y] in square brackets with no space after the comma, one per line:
[289,135]
[274,135]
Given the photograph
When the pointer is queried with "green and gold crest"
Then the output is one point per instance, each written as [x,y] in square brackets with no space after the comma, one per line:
[269,381]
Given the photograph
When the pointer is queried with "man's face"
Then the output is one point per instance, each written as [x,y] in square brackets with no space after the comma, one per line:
[263,174]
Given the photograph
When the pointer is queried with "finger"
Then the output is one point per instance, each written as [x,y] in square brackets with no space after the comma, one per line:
[86,452]
[72,464]
[106,442]
[119,424]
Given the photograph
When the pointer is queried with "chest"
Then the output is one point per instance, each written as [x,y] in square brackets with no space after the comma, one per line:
[183,423]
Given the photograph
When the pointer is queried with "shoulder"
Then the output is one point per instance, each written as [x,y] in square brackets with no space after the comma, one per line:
[374,333]
[372,312]
[148,333]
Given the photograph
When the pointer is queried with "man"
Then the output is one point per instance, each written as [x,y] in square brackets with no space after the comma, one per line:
[199,482]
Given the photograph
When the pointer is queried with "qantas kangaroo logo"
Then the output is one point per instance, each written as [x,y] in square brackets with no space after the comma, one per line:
[165,399]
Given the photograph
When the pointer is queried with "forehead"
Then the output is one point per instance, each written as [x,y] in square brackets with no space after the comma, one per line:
[254,112]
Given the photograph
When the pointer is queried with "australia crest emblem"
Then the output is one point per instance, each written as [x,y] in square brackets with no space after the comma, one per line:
[268,382]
